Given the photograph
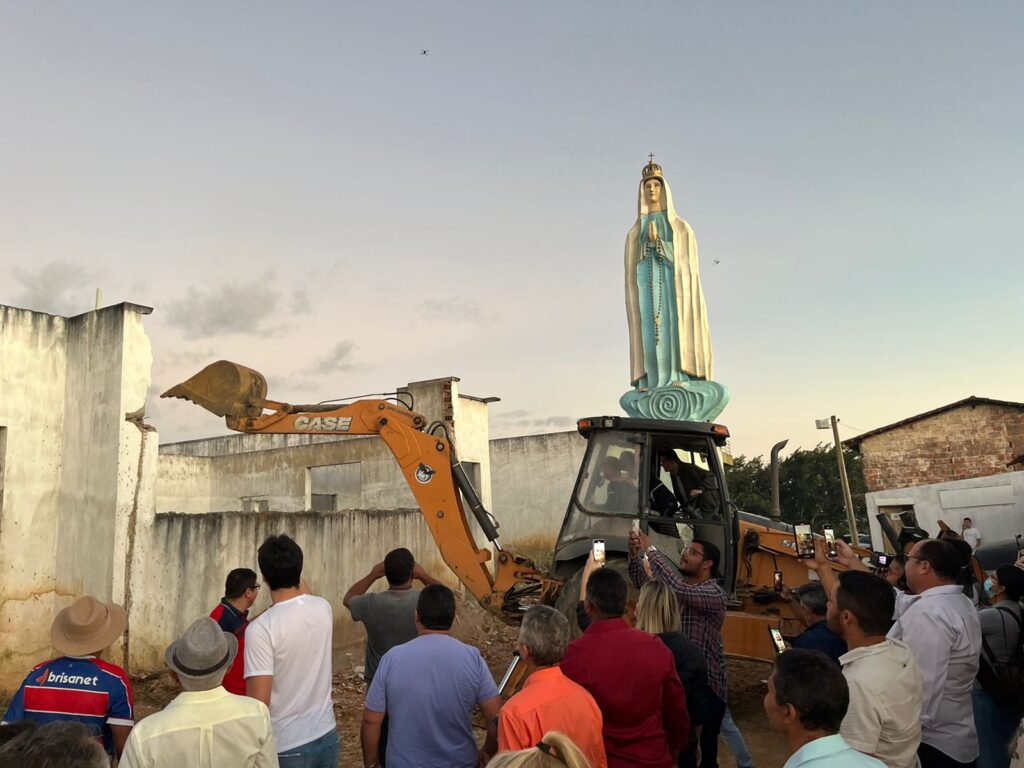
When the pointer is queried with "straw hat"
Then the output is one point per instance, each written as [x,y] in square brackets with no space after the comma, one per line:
[87,626]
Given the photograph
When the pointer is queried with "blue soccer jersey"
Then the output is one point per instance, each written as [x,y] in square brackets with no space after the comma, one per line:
[85,690]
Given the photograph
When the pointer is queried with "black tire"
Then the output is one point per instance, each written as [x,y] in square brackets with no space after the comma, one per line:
[570,594]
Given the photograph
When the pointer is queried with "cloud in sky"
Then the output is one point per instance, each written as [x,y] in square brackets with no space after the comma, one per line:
[522,419]
[455,309]
[247,308]
[338,359]
[58,287]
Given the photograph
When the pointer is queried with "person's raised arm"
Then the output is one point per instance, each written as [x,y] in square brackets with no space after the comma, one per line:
[422,576]
[360,587]
[821,566]
[846,556]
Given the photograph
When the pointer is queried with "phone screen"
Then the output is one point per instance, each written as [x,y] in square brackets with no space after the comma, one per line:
[599,551]
[804,541]
[778,581]
[830,541]
[777,641]
[636,526]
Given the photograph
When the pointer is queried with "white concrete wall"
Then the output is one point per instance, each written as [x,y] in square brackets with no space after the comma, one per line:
[532,479]
[181,564]
[71,469]
[933,503]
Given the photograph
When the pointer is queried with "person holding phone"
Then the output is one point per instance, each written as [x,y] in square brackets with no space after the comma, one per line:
[702,604]
[884,717]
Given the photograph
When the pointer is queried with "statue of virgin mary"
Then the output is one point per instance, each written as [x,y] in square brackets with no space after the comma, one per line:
[669,341]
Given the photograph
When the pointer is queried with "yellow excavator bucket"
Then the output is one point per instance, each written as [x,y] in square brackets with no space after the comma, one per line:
[225,389]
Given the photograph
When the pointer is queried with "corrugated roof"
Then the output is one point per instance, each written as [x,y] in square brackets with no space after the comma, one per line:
[854,442]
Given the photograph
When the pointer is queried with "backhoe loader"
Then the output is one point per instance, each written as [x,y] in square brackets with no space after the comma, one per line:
[667,475]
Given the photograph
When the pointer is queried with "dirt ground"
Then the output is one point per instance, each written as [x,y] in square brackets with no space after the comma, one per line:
[496,641]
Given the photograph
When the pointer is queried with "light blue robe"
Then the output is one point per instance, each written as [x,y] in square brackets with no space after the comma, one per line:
[656,284]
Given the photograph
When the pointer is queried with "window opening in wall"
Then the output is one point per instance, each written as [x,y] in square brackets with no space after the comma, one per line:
[335,487]
[255,504]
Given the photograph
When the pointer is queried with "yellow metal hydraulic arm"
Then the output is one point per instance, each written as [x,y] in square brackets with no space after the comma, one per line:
[427,461]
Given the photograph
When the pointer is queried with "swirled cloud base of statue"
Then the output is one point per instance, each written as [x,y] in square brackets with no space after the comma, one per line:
[693,400]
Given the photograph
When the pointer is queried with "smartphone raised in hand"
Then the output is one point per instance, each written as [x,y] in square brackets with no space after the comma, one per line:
[778,581]
[598,550]
[777,642]
[804,541]
[830,542]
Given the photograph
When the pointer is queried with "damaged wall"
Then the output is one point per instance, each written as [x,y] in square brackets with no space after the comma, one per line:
[71,466]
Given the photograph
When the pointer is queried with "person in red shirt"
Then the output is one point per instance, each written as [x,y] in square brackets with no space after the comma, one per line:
[232,614]
[549,701]
[632,677]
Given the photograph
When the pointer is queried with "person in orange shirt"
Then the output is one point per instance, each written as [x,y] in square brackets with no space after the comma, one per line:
[549,701]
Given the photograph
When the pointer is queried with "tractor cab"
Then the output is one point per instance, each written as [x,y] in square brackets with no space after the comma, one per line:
[666,474]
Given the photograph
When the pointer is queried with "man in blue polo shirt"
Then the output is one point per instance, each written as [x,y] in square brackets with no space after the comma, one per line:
[79,686]
[806,702]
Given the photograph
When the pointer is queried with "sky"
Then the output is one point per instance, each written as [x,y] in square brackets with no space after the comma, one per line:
[295,187]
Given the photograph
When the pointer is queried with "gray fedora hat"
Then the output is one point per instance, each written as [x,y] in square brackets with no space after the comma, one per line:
[203,653]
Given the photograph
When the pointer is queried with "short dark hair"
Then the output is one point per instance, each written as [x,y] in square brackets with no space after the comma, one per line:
[1012,580]
[238,581]
[968,520]
[869,598]
[669,454]
[280,560]
[712,553]
[943,555]
[55,745]
[606,592]
[814,685]
[9,731]
[436,607]
[398,565]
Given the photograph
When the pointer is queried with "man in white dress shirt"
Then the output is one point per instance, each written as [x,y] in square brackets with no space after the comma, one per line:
[940,626]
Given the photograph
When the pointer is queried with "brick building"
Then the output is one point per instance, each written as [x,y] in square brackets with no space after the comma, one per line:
[974,437]
[961,460]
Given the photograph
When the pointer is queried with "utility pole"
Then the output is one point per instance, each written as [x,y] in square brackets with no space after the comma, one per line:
[847,498]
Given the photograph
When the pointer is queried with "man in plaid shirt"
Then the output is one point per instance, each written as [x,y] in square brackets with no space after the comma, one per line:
[702,605]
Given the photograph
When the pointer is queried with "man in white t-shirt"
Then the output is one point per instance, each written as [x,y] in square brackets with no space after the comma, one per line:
[970,534]
[288,661]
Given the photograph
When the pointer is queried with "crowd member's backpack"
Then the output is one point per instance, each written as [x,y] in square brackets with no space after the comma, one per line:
[1004,681]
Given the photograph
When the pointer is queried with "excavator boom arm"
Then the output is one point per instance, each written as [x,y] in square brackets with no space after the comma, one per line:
[426,462]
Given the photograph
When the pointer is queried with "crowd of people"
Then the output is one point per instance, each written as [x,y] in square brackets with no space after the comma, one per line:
[895,668]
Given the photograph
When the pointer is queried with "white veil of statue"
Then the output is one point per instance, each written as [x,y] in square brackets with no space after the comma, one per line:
[692,336]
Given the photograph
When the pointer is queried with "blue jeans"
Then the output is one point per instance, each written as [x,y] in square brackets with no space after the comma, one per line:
[734,741]
[995,727]
[321,753]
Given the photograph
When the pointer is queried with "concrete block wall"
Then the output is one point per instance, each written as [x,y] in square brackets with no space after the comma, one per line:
[532,478]
[971,441]
[72,467]
[182,559]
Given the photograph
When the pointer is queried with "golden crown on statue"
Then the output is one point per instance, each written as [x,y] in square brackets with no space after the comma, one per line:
[652,170]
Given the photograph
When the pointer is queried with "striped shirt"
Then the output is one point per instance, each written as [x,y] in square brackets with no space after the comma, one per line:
[82,689]
[703,612]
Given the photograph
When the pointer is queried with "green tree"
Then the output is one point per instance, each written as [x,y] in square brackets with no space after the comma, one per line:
[809,487]
[811,491]
[749,483]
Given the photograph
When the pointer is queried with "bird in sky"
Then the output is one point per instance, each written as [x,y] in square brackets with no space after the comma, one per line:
[424,52]
[718,261]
